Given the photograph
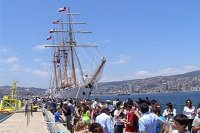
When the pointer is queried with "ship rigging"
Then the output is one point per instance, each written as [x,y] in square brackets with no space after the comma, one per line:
[73,74]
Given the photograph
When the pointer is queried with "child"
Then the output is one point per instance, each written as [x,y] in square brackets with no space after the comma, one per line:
[81,127]
[180,123]
[57,114]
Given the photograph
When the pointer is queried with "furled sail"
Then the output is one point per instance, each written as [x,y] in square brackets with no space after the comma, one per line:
[97,74]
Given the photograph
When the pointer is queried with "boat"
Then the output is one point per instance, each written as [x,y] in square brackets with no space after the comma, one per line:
[76,65]
[123,94]
[11,104]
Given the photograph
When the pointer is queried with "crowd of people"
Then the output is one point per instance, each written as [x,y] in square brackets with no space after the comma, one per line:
[142,116]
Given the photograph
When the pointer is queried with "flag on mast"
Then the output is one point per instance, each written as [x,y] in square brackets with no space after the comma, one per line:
[56,22]
[62,9]
[51,31]
[49,38]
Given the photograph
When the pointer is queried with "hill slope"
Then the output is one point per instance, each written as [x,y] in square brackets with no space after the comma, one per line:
[182,82]
[22,91]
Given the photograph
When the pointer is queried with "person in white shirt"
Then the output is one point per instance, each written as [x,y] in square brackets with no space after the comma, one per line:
[96,103]
[118,116]
[169,112]
[115,102]
[196,123]
[189,111]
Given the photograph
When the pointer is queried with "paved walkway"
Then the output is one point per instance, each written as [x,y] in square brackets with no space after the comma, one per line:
[17,123]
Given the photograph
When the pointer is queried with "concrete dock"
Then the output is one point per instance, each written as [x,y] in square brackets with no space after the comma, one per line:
[17,123]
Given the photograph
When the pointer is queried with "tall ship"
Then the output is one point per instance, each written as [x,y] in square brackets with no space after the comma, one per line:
[76,63]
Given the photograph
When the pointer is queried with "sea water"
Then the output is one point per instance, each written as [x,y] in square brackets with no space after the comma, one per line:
[178,99]
[3,116]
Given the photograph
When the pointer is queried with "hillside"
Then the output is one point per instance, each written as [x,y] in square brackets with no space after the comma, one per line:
[22,91]
[182,82]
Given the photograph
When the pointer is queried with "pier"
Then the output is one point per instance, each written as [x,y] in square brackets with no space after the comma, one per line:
[35,123]
[18,123]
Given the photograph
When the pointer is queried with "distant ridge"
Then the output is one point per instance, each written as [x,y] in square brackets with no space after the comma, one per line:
[181,82]
[193,73]
[23,91]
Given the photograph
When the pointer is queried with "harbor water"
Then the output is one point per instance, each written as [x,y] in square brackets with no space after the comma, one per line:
[3,115]
[176,98]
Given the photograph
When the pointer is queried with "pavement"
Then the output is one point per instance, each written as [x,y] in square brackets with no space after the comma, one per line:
[19,123]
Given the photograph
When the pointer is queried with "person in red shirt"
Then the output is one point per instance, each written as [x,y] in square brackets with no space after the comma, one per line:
[132,119]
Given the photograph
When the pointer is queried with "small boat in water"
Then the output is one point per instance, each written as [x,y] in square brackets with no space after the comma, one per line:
[123,94]
[77,66]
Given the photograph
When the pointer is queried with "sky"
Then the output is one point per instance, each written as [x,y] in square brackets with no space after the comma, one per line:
[139,38]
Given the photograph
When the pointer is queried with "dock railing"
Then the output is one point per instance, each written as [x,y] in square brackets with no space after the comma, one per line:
[54,127]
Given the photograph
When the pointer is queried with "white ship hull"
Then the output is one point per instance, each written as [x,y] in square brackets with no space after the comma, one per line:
[77,92]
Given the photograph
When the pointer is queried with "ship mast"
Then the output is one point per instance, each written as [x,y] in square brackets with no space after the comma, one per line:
[65,56]
[60,67]
[71,49]
[55,72]
[65,52]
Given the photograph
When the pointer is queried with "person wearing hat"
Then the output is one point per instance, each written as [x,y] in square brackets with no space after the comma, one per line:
[68,114]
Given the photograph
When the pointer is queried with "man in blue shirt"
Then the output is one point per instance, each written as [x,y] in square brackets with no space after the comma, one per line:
[148,122]
[57,114]
[105,120]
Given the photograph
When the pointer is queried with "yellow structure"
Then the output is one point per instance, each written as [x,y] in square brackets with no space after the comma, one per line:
[35,107]
[14,89]
[11,104]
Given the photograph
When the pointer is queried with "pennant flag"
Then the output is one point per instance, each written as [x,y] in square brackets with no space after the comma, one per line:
[51,31]
[56,22]
[49,38]
[62,9]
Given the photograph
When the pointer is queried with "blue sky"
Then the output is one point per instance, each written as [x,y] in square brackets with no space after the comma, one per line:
[139,38]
